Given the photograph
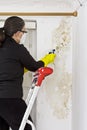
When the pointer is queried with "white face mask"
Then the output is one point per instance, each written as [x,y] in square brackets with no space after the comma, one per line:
[23,38]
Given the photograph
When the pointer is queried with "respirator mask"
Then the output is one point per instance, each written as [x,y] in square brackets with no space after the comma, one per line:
[23,38]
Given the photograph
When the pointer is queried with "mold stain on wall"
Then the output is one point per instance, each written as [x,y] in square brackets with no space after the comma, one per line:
[58,85]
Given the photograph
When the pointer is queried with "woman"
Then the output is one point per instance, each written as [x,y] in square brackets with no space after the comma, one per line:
[13,58]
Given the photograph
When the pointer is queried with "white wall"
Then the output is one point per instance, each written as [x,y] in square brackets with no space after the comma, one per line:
[35,5]
[80,71]
[47,115]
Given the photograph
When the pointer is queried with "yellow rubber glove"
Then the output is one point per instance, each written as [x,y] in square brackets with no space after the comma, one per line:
[49,58]
[25,70]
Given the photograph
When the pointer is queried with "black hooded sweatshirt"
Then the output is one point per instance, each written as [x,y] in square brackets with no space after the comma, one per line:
[13,58]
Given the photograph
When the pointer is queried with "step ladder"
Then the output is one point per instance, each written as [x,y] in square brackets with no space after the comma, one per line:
[38,77]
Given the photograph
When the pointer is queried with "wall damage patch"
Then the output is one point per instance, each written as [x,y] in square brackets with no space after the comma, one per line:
[58,86]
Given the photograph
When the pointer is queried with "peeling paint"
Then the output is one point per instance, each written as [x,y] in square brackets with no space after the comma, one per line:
[58,86]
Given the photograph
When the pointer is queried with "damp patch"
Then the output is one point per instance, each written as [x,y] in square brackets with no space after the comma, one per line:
[58,85]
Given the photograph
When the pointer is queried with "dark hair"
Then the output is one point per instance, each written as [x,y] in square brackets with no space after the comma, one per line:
[11,26]
[2,35]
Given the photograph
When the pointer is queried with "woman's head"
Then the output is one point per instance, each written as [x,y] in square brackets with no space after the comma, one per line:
[13,25]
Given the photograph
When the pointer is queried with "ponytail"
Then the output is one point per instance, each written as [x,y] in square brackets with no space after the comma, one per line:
[2,36]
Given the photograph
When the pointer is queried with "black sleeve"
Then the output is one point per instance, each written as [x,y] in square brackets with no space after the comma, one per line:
[28,61]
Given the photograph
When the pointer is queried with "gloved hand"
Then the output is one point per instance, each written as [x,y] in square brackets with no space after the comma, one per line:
[49,58]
